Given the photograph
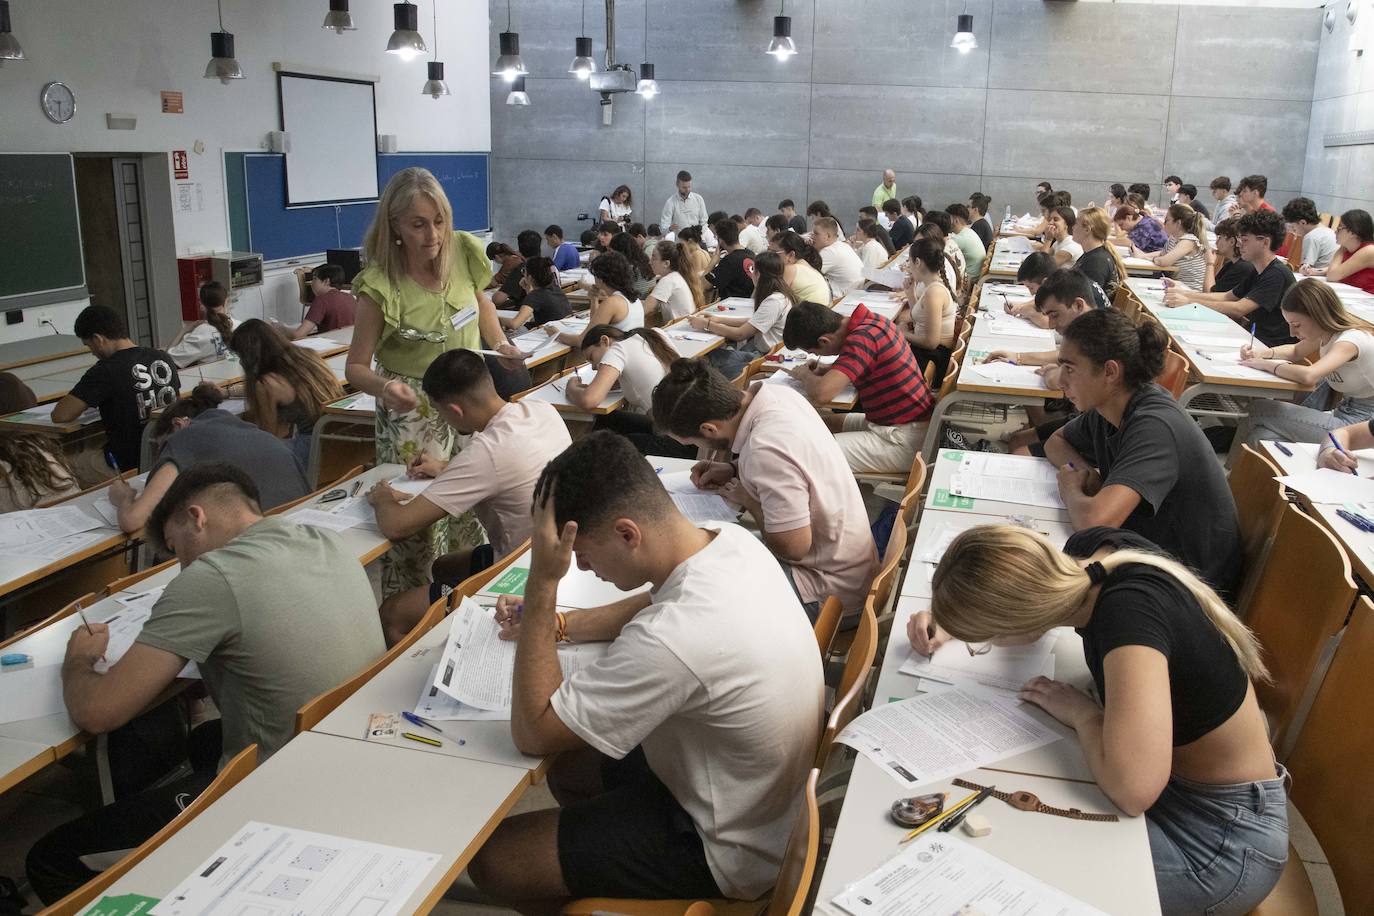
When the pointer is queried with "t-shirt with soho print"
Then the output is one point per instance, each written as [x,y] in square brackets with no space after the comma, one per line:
[127,387]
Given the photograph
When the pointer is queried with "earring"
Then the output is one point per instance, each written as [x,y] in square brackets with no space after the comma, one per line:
[398,242]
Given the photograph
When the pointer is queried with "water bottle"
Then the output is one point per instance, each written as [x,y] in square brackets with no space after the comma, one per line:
[1006,218]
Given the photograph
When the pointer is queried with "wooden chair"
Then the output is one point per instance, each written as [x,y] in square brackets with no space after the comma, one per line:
[881,589]
[849,692]
[788,897]
[1300,601]
[916,477]
[233,773]
[1294,250]
[747,374]
[1174,378]
[1259,505]
[827,623]
[1330,767]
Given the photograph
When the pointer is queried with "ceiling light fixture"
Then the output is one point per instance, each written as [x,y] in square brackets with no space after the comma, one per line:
[9,45]
[518,96]
[339,18]
[782,47]
[222,66]
[509,65]
[582,65]
[435,86]
[405,41]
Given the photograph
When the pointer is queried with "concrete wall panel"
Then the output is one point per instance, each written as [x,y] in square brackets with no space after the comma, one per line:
[1225,52]
[1223,137]
[1081,135]
[1059,46]
[914,129]
[745,123]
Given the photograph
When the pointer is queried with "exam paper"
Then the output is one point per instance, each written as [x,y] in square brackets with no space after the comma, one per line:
[885,276]
[266,870]
[439,706]
[477,666]
[107,510]
[413,486]
[1325,485]
[359,402]
[945,732]
[29,525]
[352,512]
[318,344]
[940,873]
[56,548]
[1007,479]
[702,507]
[125,625]
[42,413]
[1005,667]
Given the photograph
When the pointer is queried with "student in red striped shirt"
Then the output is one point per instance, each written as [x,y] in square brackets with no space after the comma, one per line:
[873,356]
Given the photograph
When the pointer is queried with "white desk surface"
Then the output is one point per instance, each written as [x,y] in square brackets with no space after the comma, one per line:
[555,392]
[1304,457]
[348,788]
[1107,865]
[939,497]
[49,389]
[934,522]
[733,305]
[14,569]
[879,303]
[365,543]
[78,363]
[579,588]
[690,343]
[997,323]
[20,758]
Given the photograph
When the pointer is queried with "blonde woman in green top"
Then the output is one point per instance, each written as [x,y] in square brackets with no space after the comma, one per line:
[421,295]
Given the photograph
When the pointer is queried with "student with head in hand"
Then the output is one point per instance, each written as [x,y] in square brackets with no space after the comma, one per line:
[32,471]
[1134,459]
[927,322]
[683,751]
[1255,299]
[195,431]
[1353,264]
[756,334]
[613,298]
[286,386]
[1186,250]
[331,307]
[127,383]
[788,474]
[544,299]
[493,476]
[1059,239]
[802,270]
[873,357]
[207,340]
[1335,350]
[273,613]
[1177,734]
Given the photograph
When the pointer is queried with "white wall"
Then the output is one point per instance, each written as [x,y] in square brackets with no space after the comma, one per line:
[118,55]
[1342,178]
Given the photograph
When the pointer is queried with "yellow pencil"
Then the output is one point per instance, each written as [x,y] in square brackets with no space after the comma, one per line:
[935,820]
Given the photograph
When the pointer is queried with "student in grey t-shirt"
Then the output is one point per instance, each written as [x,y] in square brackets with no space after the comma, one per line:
[272,613]
[1134,459]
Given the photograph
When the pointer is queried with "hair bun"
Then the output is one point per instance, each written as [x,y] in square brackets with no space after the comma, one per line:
[207,396]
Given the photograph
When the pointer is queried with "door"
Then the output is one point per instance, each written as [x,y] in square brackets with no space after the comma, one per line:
[130,221]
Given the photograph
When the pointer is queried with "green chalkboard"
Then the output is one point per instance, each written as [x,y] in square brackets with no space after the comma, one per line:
[40,230]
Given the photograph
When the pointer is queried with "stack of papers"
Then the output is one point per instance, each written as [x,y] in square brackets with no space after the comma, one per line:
[125,625]
[318,344]
[699,506]
[42,413]
[353,512]
[1325,485]
[363,403]
[1004,373]
[107,510]
[885,276]
[1004,667]
[27,527]
[1008,479]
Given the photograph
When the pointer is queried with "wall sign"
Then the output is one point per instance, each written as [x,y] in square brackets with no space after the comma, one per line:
[171,102]
[181,169]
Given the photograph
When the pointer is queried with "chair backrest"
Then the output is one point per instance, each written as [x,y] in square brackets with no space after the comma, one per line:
[310,714]
[951,376]
[1301,600]
[849,694]
[477,581]
[827,624]
[916,478]
[1330,763]
[233,773]
[887,571]
[1174,377]
[1294,250]
[124,582]
[930,374]
[746,374]
[799,858]
[1259,504]
[85,601]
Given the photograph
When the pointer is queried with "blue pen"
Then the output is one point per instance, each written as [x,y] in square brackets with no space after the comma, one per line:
[425,723]
[110,460]
[1358,521]
[1252,335]
[1354,470]
[1283,448]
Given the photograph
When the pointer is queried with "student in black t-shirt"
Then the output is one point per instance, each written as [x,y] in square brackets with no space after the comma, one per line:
[1134,459]
[1178,734]
[127,384]
[733,274]
[1230,268]
[511,292]
[978,204]
[544,299]
[1255,299]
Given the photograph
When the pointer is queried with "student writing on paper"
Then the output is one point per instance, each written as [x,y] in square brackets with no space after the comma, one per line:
[273,614]
[331,308]
[421,295]
[1343,349]
[875,359]
[683,750]
[286,386]
[789,474]
[1141,231]
[803,270]
[31,471]
[680,290]
[544,299]
[1133,459]
[206,339]
[1255,299]
[927,322]
[635,361]
[493,476]
[127,383]
[195,431]
[1179,735]
[1351,438]
[1033,271]
[614,300]
[1353,264]
[756,334]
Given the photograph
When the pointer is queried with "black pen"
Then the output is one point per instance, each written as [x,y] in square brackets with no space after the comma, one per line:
[957,818]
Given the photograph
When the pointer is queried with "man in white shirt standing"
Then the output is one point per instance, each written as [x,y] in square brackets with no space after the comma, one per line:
[751,234]
[685,208]
[840,263]
[683,751]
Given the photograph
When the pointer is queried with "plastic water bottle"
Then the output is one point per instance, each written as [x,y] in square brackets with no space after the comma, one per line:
[1006,218]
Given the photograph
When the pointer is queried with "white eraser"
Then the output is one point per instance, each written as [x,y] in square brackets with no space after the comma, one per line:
[976,825]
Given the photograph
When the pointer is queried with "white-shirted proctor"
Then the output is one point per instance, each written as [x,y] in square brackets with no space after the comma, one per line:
[683,212]
[720,683]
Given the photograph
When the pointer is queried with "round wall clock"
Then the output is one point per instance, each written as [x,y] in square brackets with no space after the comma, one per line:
[59,102]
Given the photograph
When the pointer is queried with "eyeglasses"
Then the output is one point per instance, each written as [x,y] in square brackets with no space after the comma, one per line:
[415,334]
[976,649]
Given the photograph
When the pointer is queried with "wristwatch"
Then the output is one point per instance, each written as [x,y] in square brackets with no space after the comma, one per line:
[1027,801]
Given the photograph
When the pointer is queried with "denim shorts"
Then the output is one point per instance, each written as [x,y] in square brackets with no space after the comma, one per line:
[1218,850]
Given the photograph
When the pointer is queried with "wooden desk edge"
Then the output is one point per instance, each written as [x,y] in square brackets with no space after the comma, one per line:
[115,543]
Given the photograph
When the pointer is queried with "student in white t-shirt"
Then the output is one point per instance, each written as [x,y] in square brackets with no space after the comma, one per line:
[790,475]
[679,290]
[1319,245]
[633,361]
[876,249]
[683,751]
[751,233]
[493,475]
[752,335]
[1059,240]
[208,339]
[1344,350]
[840,264]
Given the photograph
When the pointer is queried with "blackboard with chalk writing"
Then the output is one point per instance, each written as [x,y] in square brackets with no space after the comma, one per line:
[40,228]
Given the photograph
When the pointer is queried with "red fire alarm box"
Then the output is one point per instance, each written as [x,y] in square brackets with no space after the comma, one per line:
[192,273]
